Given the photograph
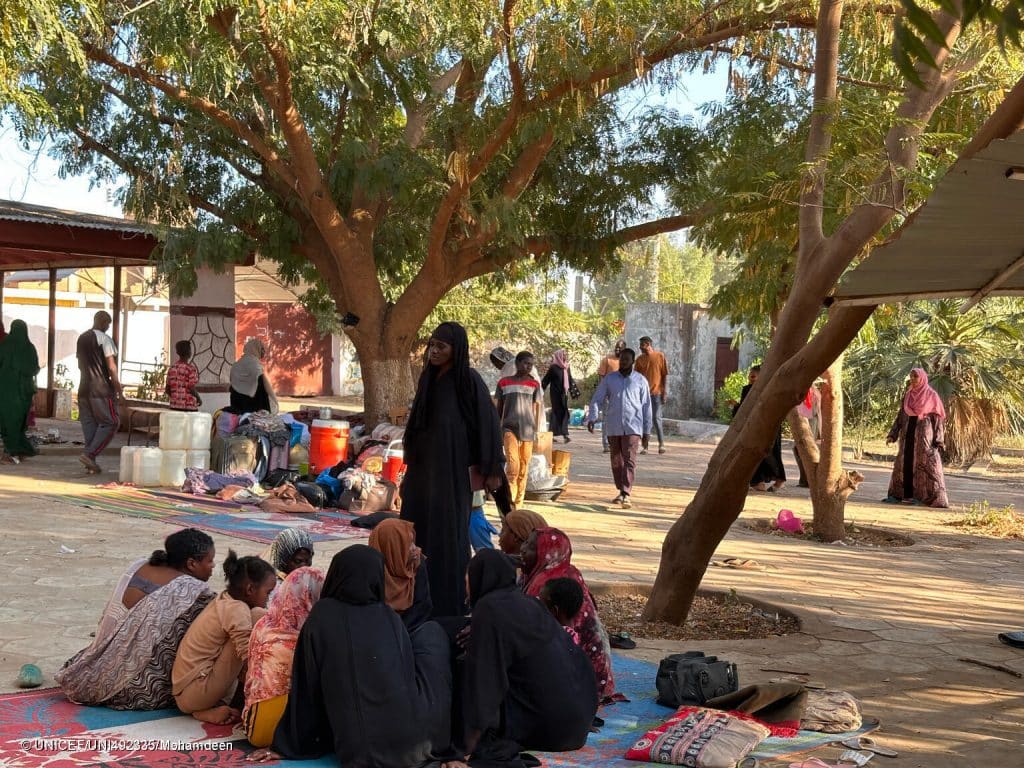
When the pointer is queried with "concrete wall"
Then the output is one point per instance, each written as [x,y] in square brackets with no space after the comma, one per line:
[688,336]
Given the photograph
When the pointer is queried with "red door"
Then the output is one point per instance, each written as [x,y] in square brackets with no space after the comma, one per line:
[727,360]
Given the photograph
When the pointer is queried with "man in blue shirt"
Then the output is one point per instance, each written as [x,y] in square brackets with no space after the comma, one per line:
[628,418]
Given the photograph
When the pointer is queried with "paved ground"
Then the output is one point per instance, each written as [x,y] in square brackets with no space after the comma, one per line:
[887,625]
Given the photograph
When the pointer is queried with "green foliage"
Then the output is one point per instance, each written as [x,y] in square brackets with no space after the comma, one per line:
[154,381]
[531,316]
[659,269]
[728,395]
[972,357]
[61,380]
[981,517]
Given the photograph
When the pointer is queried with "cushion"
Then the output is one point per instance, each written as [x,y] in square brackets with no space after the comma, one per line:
[699,737]
[830,712]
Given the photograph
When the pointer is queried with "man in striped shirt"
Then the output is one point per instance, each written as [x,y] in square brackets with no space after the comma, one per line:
[519,400]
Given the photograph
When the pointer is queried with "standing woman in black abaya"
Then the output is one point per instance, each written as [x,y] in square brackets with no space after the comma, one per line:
[452,433]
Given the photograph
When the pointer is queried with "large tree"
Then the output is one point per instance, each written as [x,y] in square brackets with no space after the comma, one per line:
[389,150]
[799,352]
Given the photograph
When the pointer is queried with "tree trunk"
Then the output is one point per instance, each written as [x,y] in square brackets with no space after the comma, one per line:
[830,484]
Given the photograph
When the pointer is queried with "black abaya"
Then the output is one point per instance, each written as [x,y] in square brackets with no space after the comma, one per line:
[361,687]
[524,679]
[558,421]
[436,493]
[771,467]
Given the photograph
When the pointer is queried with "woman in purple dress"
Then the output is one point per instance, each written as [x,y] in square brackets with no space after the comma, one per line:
[920,429]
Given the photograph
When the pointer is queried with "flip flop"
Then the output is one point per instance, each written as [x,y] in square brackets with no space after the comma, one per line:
[868,745]
[1013,639]
[739,562]
[622,641]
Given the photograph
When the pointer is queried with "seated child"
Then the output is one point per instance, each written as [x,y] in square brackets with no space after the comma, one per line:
[564,598]
[212,655]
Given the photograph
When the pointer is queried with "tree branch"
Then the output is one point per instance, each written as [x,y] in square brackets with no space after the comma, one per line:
[819,138]
[204,106]
[798,67]
[417,114]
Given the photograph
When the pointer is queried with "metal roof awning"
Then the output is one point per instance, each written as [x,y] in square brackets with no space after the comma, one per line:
[37,237]
[967,240]
[260,283]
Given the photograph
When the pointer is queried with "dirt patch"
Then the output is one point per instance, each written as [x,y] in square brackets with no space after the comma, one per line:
[709,619]
[856,535]
[984,520]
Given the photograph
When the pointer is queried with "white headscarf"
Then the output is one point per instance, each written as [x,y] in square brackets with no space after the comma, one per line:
[246,372]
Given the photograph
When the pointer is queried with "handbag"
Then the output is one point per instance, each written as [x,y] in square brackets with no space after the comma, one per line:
[692,678]
[574,389]
[313,493]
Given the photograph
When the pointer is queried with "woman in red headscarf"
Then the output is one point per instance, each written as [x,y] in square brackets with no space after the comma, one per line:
[920,429]
[547,555]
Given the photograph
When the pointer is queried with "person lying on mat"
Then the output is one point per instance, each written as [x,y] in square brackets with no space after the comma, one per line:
[362,686]
[128,665]
[272,651]
[213,653]
[547,555]
[406,586]
[526,684]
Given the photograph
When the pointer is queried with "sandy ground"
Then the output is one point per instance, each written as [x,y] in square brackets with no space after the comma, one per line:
[887,625]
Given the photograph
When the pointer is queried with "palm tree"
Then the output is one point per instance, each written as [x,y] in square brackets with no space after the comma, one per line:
[973,359]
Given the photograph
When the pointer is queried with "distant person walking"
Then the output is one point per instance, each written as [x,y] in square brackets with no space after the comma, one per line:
[609,364]
[98,390]
[628,420]
[182,380]
[559,379]
[19,364]
[920,430]
[652,365]
[770,474]
[519,400]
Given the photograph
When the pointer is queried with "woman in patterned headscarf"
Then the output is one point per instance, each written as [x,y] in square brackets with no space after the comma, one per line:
[272,650]
[547,555]
[292,548]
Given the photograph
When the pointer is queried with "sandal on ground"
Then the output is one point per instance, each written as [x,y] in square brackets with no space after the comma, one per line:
[622,640]
[739,562]
[868,745]
[1013,639]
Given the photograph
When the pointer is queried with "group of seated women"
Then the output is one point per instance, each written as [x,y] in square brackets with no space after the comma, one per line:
[351,662]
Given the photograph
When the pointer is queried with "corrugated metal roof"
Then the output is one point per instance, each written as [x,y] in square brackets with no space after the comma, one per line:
[11,210]
[967,238]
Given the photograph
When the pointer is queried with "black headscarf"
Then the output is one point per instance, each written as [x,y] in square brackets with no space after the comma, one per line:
[489,570]
[356,576]
[455,336]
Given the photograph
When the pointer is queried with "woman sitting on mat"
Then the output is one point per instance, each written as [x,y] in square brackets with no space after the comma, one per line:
[128,665]
[362,687]
[547,555]
[406,588]
[213,653]
[292,548]
[527,685]
[272,651]
[516,529]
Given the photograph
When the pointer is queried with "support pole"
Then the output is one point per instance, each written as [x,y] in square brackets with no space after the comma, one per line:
[51,342]
[117,309]
[3,275]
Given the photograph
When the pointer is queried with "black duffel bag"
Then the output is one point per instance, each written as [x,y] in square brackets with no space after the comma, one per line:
[692,678]
[313,493]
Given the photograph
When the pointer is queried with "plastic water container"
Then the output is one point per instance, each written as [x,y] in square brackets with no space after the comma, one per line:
[394,462]
[146,466]
[328,444]
[199,427]
[125,473]
[197,459]
[174,431]
[172,468]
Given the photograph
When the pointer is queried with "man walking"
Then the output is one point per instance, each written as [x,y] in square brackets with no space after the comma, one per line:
[652,365]
[519,401]
[628,417]
[98,390]
[609,364]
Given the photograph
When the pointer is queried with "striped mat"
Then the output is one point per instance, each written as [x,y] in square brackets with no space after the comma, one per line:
[207,513]
[44,728]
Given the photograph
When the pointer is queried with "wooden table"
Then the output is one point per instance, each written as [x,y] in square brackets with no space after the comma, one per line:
[150,415]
